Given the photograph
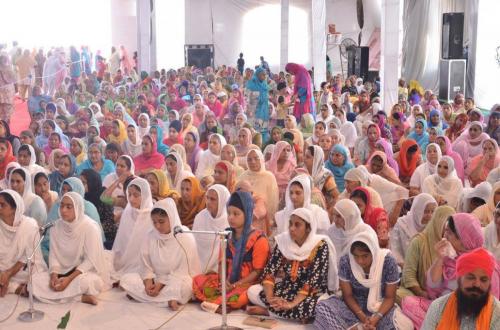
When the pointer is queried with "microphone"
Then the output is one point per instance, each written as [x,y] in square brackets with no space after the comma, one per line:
[43,229]
[178,230]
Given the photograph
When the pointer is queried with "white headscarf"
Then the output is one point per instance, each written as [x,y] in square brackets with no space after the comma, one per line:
[208,245]
[282,217]
[411,223]
[17,241]
[207,161]
[292,251]
[450,187]
[33,167]
[143,130]
[169,254]
[5,182]
[491,239]
[319,172]
[482,190]
[374,280]
[98,115]
[134,149]
[353,224]
[181,174]
[134,227]
[28,195]
[70,241]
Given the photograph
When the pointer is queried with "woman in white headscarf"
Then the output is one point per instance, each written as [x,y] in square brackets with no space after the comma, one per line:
[135,224]
[26,157]
[18,236]
[346,223]
[473,198]
[309,267]
[212,218]
[444,185]
[429,167]
[144,125]
[210,157]
[34,206]
[491,234]
[347,129]
[77,263]
[298,195]
[323,179]
[410,225]
[176,171]
[4,183]
[132,146]
[369,277]
[167,263]
[262,181]
[485,212]
[113,182]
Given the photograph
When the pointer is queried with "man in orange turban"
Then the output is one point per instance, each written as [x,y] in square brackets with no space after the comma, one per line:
[471,305]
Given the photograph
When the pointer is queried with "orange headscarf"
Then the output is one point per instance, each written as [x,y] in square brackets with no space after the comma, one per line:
[189,209]
[406,168]
[231,174]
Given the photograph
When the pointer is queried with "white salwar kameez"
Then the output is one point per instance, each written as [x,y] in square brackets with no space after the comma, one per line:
[207,161]
[209,245]
[75,245]
[181,174]
[17,243]
[166,259]
[135,225]
[449,188]
[33,167]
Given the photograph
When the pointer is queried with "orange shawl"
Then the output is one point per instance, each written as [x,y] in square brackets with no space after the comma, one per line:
[450,321]
[406,168]
[188,210]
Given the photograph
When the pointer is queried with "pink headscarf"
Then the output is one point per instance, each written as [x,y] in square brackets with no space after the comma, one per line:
[386,172]
[302,80]
[283,176]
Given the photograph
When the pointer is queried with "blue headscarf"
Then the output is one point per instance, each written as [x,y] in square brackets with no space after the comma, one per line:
[339,171]
[161,147]
[108,167]
[422,139]
[441,126]
[256,85]
[243,201]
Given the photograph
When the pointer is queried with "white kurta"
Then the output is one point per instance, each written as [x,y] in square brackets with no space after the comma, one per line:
[78,246]
[171,261]
[17,243]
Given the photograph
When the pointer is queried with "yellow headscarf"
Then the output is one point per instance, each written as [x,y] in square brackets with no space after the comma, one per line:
[164,190]
[123,133]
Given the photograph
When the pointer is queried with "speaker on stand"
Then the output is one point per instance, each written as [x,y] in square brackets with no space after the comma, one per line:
[357,61]
[452,36]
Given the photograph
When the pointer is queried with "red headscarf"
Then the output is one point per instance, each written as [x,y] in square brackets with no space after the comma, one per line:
[406,168]
[375,217]
[453,132]
[9,157]
[153,160]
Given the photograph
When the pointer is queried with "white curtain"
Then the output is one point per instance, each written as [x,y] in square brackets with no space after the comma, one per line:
[422,22]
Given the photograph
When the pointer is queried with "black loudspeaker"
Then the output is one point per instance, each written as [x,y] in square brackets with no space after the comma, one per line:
[452,36]
[357,61]
[201,56]
[451,78]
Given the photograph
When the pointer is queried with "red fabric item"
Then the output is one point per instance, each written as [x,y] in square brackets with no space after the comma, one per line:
[478,258]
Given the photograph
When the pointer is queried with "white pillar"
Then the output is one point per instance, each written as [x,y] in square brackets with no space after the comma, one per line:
[318,13]
[285,8]
[390,66]
[123,25]
[146,35]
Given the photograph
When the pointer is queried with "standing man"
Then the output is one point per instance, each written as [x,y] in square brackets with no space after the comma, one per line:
[241,63]
[25,68]
[265,65]
[471,305]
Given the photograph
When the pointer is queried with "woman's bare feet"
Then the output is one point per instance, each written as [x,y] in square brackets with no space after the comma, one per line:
[88,299]
[257,310]
[174,305]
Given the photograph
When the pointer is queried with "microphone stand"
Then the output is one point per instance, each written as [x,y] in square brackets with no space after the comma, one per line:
[224,235]
[32,315]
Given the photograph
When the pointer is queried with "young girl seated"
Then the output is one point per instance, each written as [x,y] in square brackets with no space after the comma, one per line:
[247,254]
[77,265]
[167,263]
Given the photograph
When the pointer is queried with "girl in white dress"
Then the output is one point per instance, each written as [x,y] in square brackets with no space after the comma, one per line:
[77,263]
[18,236]
[167,262]
[135,224]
